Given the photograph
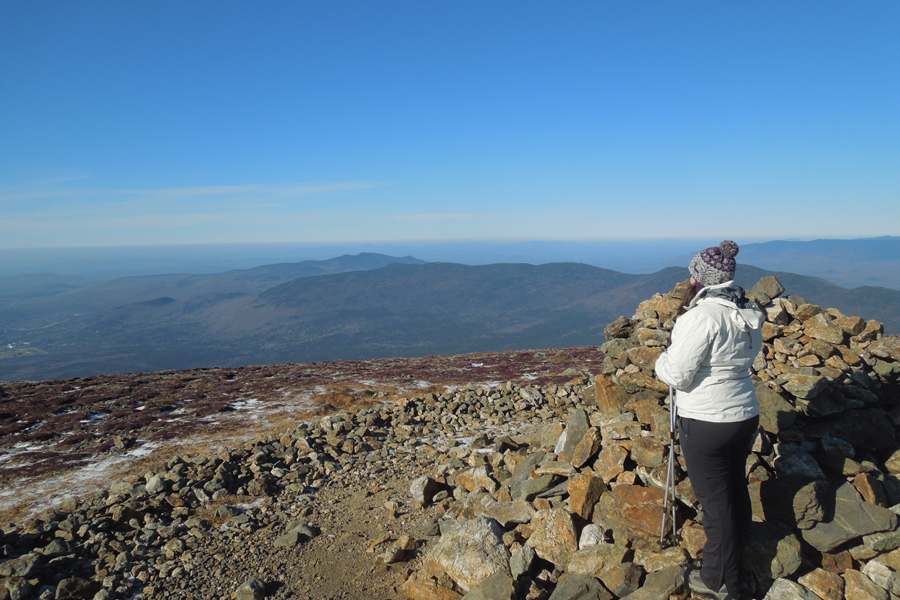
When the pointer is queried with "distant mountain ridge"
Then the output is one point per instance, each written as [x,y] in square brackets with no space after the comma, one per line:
[407,308]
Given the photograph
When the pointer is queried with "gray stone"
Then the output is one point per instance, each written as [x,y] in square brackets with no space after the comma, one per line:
[579,587]
[880,574]
[659,585]
[297,532]
[794,500]
[785,589]
[156,485]
[471,552]
[520,562]
[794,460]
[775,413]
[499,586]
[75,587]
[805,386]
[422,490]
[226,511]
[773,550]
[17,588]
[576,427]
[591,535]
[622,327]
[252,589]
[21,566]
[532,487]
[770,286]
[509,514]
[57,548]
[597,560]
[847,516]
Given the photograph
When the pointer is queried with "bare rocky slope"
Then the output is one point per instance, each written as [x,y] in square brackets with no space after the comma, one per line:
[544,483]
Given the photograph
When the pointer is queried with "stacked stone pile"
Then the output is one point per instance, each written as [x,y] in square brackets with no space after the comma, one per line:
[581,517]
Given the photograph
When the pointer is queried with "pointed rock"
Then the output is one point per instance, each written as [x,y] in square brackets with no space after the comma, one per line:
[553,536]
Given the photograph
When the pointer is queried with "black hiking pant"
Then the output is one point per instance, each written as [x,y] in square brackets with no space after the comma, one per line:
[716,457]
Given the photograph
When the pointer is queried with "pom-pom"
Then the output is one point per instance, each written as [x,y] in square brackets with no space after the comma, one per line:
[729,249]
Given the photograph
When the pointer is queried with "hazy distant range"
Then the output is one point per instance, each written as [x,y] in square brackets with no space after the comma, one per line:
[850,263]
[350,307]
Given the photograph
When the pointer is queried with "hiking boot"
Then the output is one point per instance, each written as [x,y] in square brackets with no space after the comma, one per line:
[698,588]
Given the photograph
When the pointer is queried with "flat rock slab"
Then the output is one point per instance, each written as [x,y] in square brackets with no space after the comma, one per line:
[847,516]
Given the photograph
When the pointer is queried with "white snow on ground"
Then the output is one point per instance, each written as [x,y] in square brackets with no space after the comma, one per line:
[83,480]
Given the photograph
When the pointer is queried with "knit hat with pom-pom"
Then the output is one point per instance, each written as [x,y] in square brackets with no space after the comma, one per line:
[714,265]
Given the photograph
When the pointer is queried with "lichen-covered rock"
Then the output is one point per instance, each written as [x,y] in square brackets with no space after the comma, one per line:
[471,552]
[553,536]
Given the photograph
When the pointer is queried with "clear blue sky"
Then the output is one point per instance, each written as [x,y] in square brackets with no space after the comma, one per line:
[219,121]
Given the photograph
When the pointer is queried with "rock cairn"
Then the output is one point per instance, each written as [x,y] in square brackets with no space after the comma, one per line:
[581,516]
[534,492]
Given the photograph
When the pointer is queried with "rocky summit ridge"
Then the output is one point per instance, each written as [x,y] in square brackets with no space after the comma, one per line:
[511,491]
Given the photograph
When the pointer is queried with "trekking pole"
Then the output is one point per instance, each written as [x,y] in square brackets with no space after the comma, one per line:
[670,472]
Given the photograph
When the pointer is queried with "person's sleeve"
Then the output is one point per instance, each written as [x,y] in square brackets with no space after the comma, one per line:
[692,337]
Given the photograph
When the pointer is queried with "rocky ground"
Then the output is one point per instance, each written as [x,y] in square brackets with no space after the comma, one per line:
[527,487]
[59,438]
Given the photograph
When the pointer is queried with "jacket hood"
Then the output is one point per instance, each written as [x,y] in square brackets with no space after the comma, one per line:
[747,314]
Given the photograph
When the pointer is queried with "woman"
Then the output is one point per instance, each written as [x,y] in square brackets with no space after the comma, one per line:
[708,363]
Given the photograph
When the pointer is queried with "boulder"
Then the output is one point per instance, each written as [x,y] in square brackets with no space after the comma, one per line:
[521,561]
[821,327]
[611,399]
[659,585]
[631,511]
[509,514]
[596,561]
[773,551]
[622,327]
[252,589]
[579,587]
[847,516]
[553,536]
[775,413]
[859,587]
[422,490]
[584,491]
[611,461]
[499,586]
[785,589]
[476,477]
[827,586]
[576,427]
[471,552]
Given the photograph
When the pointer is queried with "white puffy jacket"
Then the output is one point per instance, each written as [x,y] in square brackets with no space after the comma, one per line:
[713,347]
